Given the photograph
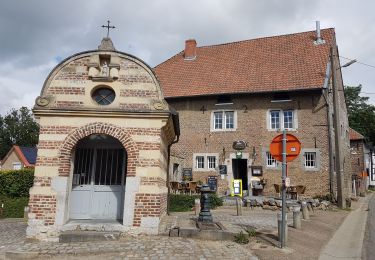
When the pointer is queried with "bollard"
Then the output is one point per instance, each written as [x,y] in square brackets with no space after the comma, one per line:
[279,224]
[305,211]
[26,213]
[197,207]
[239,206]
[297,218]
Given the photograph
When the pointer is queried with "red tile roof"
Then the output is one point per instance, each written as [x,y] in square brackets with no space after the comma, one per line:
[354,135]
[278,63]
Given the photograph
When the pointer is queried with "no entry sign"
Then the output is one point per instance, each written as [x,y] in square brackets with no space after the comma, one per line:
[293,147]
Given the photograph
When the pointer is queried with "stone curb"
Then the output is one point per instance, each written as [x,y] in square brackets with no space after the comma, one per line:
[21,255]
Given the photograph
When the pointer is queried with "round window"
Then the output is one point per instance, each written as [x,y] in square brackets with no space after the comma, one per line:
[103,96]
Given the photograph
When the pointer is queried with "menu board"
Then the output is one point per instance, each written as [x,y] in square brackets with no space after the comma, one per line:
[212,182]
[187,174]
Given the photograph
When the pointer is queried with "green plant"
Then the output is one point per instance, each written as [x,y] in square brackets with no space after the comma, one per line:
[184,202]
[16,183]
[250,231]
[327,197]
[241,238]
[215,201]
[12,207]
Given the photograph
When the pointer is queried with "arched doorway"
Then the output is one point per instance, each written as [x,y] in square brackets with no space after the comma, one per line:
[98,181]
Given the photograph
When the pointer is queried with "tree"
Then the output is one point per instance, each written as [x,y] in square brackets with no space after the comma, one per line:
[361,114]
[17,127]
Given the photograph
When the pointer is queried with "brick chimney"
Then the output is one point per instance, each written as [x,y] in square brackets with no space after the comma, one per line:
[190,49]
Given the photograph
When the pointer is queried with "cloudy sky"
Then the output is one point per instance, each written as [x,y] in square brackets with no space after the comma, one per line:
[36,35]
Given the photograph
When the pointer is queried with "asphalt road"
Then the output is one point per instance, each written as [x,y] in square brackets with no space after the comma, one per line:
[369,239]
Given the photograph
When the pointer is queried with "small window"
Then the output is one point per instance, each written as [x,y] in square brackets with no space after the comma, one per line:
[211,162]
[229,120]
[275,119]
[288,119]
[223,120]
[17,166]
[310,160]
[271,162]
[103,95]
[281,119]
[218,120]
[199,162]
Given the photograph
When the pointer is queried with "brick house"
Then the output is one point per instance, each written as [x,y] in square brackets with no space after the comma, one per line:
[360,160]
[19,157]
[249,91]
[103,151]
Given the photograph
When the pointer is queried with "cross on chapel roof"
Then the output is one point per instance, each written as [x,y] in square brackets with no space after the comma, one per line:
[107,44]
[108,27]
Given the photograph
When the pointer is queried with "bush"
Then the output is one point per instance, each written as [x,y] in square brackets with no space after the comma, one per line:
[241,238]
[183,202]
[16,183]
[13,207]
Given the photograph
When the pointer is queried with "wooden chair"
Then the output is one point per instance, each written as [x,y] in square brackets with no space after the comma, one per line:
[192,187]
[300,190]
[277,189]
[175,186]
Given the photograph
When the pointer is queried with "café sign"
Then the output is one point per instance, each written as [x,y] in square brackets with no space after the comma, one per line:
[239,145]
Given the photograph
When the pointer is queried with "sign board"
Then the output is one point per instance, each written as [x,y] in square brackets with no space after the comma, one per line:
[187,174]
[222,169]
[239,145]
[287,182]
[236,188]
[212,182]
[256,171]
[293,147]
[238,155]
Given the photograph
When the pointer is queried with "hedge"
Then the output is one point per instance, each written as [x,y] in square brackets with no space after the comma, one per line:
[183,202]
[12,207]
[16,183]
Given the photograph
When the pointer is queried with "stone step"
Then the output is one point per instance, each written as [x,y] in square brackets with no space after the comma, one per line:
[87,236]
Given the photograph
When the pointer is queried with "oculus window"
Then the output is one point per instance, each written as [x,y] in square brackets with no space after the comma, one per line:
[103,95]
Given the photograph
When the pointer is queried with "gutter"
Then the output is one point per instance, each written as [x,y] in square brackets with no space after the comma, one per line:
[176,125]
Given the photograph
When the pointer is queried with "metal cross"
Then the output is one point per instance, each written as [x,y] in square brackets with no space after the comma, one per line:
[108,27]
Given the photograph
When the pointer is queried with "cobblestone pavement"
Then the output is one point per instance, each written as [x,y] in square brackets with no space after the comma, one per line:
[12,231]
[138,247]
[256,218]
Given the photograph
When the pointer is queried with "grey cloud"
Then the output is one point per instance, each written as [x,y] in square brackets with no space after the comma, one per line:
[38,33]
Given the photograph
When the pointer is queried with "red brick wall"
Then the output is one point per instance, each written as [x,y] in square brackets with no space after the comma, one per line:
[44,208]
[312,131]
[148,205]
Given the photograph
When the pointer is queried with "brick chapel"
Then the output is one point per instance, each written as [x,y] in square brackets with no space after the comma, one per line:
[105,135]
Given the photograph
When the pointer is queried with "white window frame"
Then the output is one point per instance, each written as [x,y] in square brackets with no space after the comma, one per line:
[310,160]
[198,163]
[282,119]
[210,162]
[206,163]
[224,119]
[317,166]
[17,166]
[269,158]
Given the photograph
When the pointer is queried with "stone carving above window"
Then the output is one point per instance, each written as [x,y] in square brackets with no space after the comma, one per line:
[104,68]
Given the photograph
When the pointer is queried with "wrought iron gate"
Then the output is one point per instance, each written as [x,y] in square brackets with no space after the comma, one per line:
[98,183]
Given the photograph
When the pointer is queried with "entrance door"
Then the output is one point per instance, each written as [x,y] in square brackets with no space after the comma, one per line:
[239,167]
[98,179]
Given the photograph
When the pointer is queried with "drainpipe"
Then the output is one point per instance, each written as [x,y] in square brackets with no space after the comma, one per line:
[325,93]
[176,125]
